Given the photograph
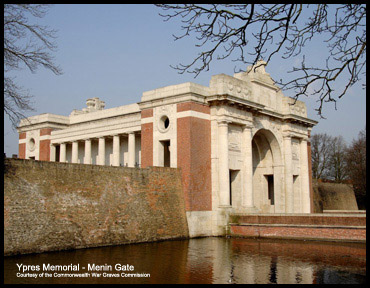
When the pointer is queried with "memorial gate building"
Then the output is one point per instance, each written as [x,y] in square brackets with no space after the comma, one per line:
[242,145]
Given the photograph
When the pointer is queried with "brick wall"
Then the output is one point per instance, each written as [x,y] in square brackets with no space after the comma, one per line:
[194,157]
[307,233]
[45,131]
[22,146]
[22,150]
[300,219]
[147,113]
[54,206]
[146,145]
[44,152]
[146,139]
[22,135]
[311,227]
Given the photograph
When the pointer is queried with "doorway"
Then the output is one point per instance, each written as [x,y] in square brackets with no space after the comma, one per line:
[234,187]
[166,153]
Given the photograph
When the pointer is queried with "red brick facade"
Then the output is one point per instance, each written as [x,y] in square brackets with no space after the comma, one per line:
[194,107]
[45,131]
[341,228]
[296,232]
[194,158]
[147,113]
[22,146]
[138,206]
[22,135]
[146,145]
[44,150]
[22,151]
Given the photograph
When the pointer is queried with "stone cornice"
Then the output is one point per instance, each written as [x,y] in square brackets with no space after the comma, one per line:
[215,99]
[259,109]
[45,120]
[300,120]
[173,100]
[46,124]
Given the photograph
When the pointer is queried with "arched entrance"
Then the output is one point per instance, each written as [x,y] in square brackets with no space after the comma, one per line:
[267,172]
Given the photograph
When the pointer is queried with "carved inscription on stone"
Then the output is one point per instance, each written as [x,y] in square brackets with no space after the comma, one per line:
[295,150]
[234,138]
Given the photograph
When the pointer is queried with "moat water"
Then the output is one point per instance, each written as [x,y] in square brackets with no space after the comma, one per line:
[204,260]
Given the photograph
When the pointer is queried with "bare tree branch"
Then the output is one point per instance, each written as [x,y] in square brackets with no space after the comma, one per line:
[250,31]
[25,44]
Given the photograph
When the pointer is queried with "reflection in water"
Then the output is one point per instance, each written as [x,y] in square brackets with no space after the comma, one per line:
[273,270]
[209,260]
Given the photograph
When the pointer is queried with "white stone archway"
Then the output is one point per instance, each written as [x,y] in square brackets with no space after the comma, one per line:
[268,172]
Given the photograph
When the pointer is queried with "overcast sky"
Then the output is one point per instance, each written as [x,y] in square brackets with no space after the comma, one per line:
[117,52]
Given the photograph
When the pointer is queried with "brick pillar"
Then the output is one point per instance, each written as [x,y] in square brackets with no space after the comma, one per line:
[194,156]
[146,138]
[44,148]
[22,146]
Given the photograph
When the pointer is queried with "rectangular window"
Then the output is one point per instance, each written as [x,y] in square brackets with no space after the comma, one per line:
[233,174]
[270,185]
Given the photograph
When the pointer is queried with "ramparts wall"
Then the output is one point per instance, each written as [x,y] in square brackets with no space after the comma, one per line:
[52,206]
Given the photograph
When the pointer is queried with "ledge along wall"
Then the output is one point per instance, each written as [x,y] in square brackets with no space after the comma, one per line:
[52,206]
[326,227]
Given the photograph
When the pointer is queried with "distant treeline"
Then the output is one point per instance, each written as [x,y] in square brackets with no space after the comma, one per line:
[335,161]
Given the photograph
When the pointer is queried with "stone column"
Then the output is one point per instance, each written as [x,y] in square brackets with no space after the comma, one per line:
[131,149]
[116,150]
[101,153]
[63,152]
[75,152]
[305,185]
[289,200]
[247,187]
[87,159]
[52,153]
[223,164]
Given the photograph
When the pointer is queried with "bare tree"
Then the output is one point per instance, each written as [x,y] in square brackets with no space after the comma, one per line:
[320,155]
[356,165]
[248,30]
[25,44]
[337,160]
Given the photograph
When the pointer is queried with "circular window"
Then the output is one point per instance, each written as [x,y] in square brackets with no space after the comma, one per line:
[31,144]
[164,123]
